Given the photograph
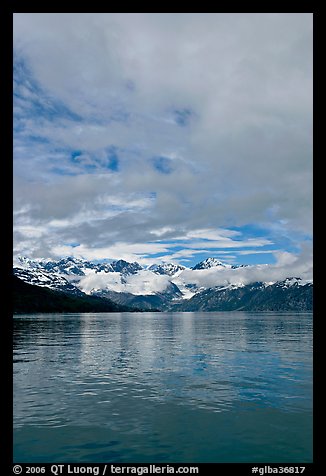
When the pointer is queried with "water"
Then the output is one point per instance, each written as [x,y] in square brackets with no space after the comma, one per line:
[160,388]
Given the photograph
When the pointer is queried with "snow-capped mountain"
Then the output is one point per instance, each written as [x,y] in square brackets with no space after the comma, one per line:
[42,278]
[170,269]
[215,263]
[288,295]
[124,267]
[289,282]
[211,263]
[159,286]
[74,266]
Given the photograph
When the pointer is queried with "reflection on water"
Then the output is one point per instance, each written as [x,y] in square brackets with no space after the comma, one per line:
[156,387]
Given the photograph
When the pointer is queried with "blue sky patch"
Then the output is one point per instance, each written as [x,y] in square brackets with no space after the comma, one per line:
[113,160]
[75,154]
[73,244]
[163,165]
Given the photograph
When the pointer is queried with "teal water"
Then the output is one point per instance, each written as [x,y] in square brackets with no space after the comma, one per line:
[160,387]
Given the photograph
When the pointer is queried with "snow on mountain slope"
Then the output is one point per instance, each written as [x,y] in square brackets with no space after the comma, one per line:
[288,282]
[66,266]
[170,269]
[50,280]
[280,296]
[26,263]
[211,263]
[124,267]
[74,266]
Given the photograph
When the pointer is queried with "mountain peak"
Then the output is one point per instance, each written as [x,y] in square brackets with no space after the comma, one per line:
[122,266]
[211,263]
[166,268]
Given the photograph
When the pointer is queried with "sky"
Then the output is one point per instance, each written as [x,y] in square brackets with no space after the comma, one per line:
[158,137]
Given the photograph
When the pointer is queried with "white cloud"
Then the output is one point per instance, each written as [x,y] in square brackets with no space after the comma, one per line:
[210,234]
[144,282]
[227,243]
[256,252]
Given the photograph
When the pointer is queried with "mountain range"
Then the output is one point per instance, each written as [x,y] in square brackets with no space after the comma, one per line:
[210,285]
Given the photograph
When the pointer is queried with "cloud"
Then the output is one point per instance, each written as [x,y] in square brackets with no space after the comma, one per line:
[126,124]
[144,282]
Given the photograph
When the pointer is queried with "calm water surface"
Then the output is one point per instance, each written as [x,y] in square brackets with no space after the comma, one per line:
[160,388]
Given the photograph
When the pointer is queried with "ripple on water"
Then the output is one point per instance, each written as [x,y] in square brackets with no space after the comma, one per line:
[163,387]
